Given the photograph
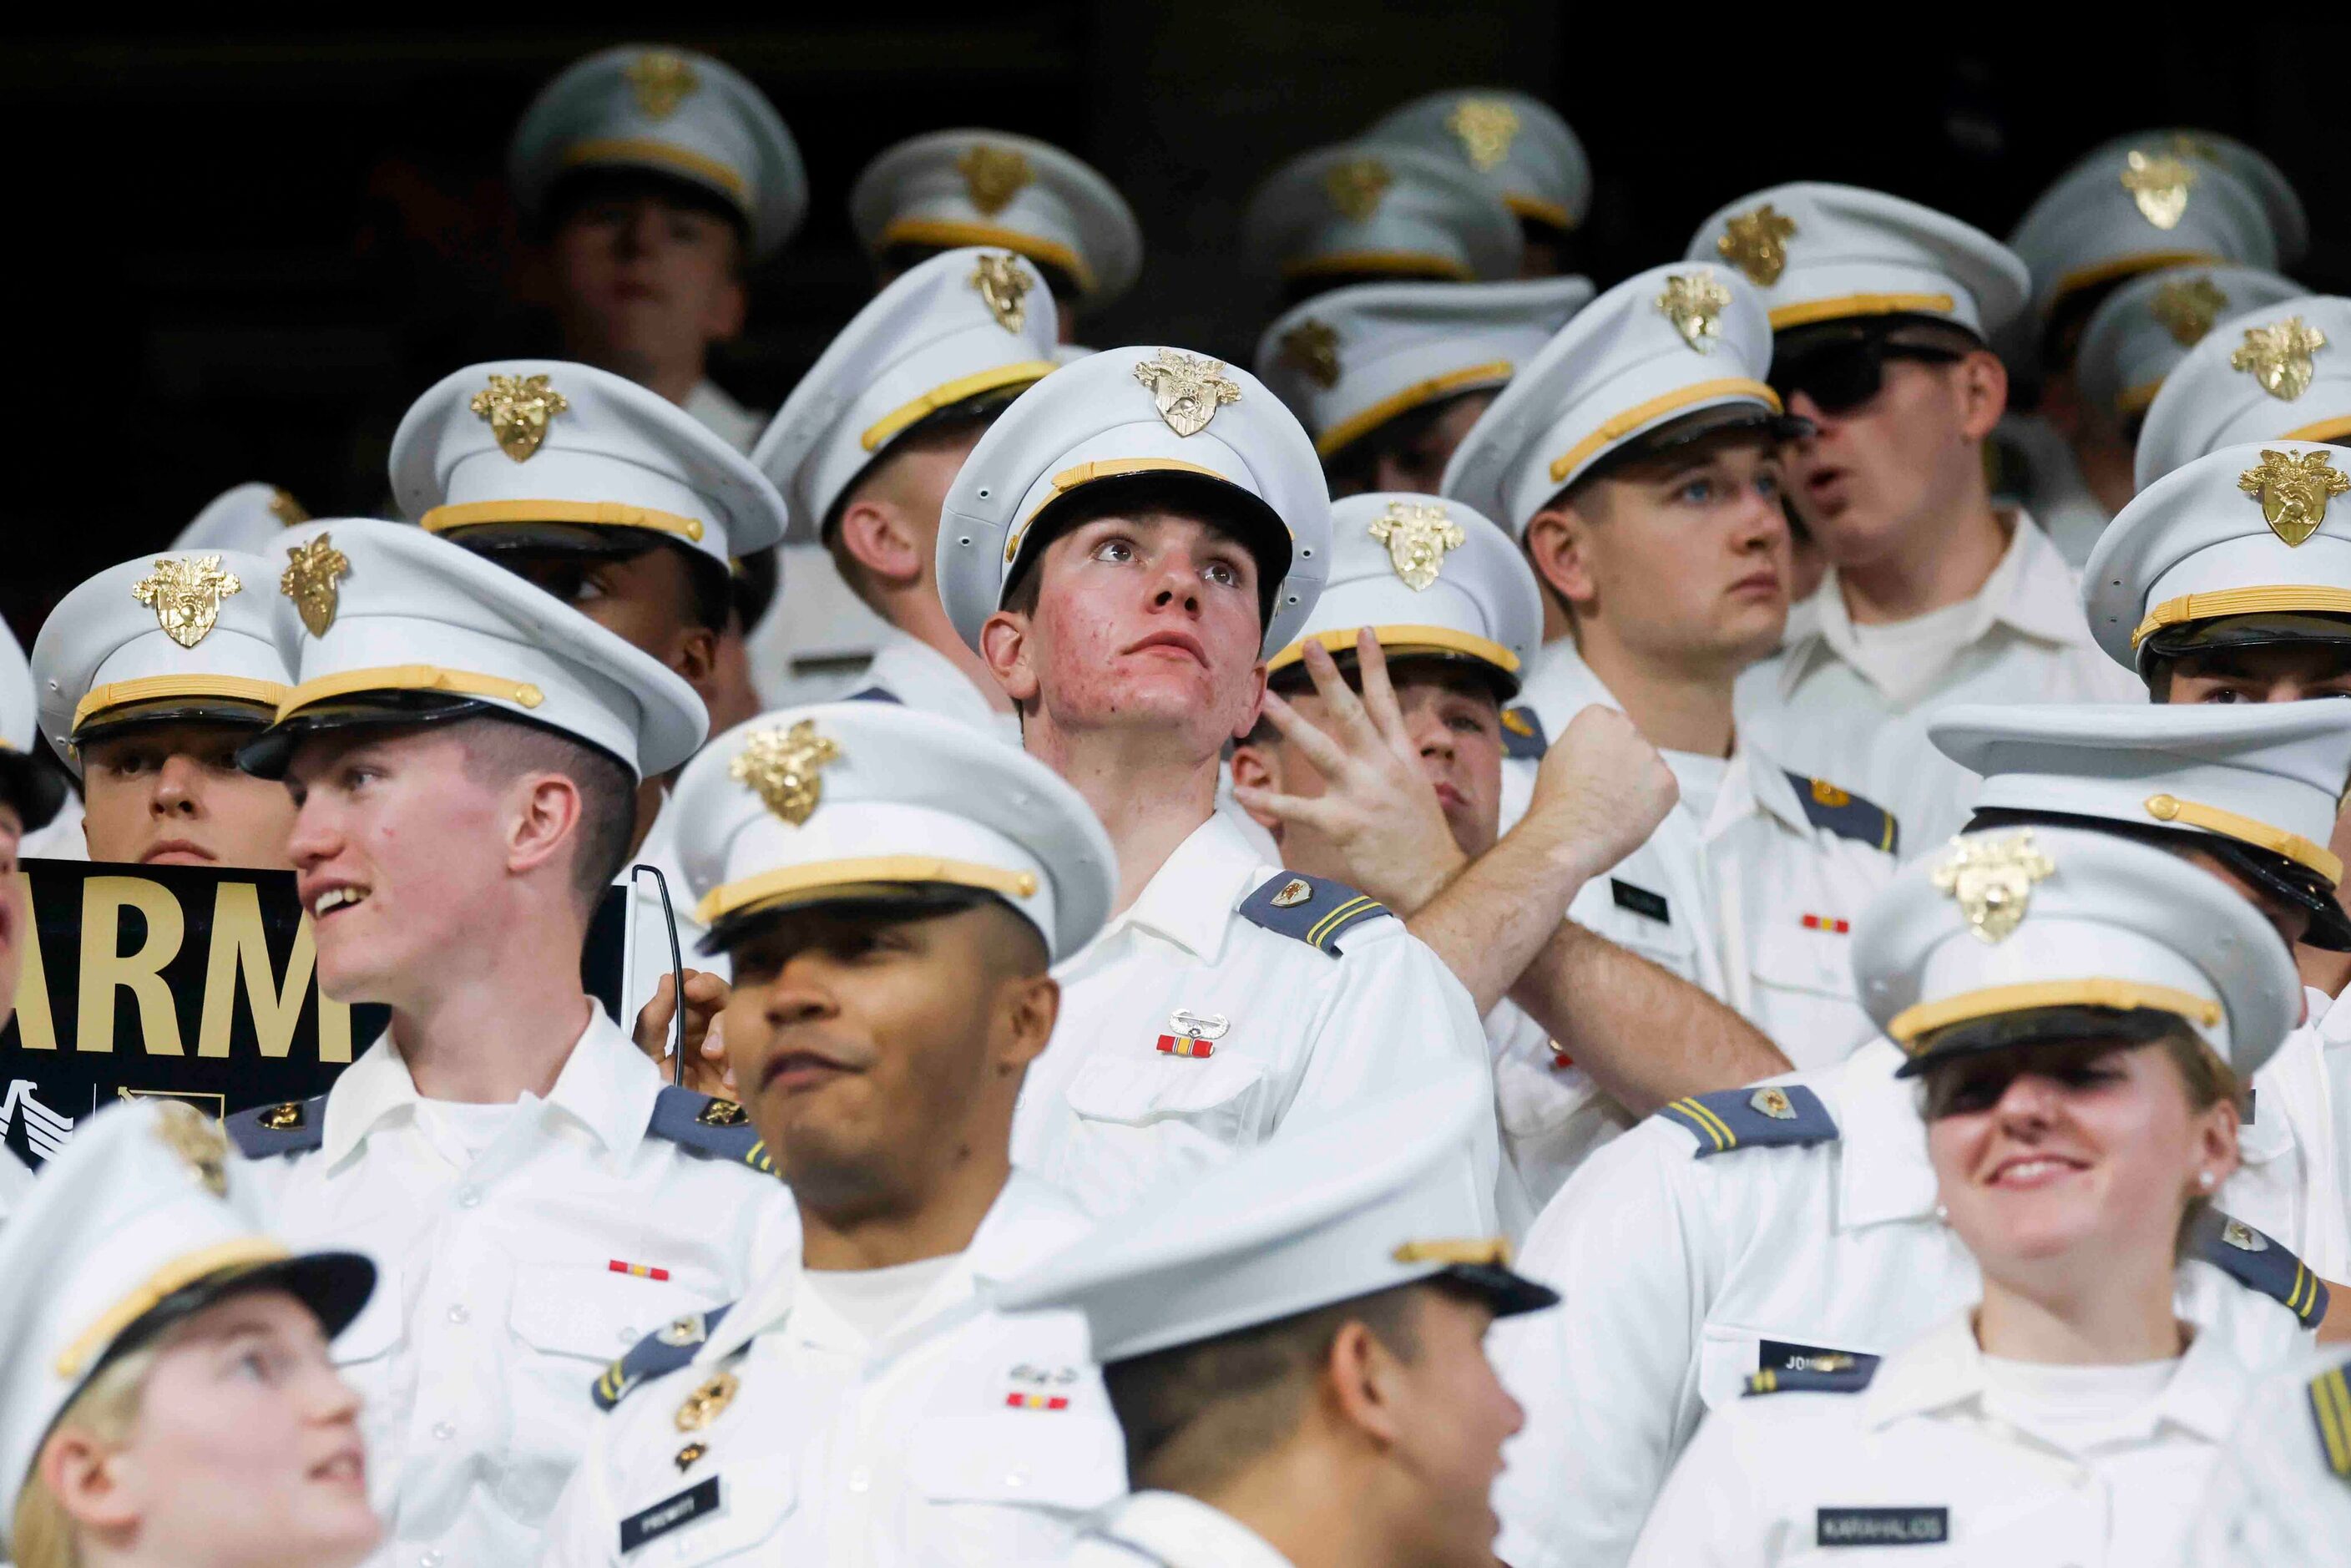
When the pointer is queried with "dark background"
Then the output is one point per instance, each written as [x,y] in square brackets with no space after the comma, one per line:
[240,249]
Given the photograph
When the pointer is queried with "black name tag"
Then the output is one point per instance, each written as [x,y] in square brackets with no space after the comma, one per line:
[1882,1526]
[1640,900]
[1787,1355]
[698,1502]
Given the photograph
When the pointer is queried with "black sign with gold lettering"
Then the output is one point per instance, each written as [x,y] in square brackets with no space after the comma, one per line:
[188,983]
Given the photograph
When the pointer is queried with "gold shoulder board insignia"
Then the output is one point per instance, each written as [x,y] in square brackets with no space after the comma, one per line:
[1186,391]
[2280,357]
[1695,305]
[780,767]
[2186,307]
[660,81]
[1293,892]
[312,570]
[992,176]
[1356,186]
[1993,881]
[2294,491]
[187,594]
[283,1118]
[1004,284]
[2158,184]
[1756,244]
[682,1332]
[1486,127]
[721,1113]
[517,408]
[1417,534]
[1774,1103]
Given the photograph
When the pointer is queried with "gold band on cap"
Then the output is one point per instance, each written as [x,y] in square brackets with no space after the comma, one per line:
[1400,641]
[2247,830]
[176,1275]
[1804,312]
[408,678]
[2226,602]
[953,232]
[948,394]
[263,694]
[1069,479]
[1494,372]
[846,876]
[644,150]
[2133,399]
[2325,429]
[1542,211]
[1487,1251]
[2106,271]
[2122,996]
[1618,426]
[1392,263]
[592,513]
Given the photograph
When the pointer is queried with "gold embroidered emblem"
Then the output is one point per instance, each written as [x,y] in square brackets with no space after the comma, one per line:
[1993,881]
[1293,892]
[1756,244]
[1774,1103]
[992,176]
[2186,307]
[2158,184]
[1486,127]
[1188,391]
[187,594]
[684,1331]
[1004,284]
[283,1118]
[1829,795]
[1417,534]
[2243,1237]
[1313,347]
[689,1455]
[721,1113]
[198,1140]
[1356,186]
[2294,490]
[708,1403]
[312,570]
[287,509]
[2280,356]
[660,81]
[517,408]
[1695,306]
[780,767]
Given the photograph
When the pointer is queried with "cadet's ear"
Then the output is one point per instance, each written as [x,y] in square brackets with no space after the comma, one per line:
[89,1480]
[1258,767]
[1558,543]
[1010,653]
[1360,1382]
[1983,393]
[875,537]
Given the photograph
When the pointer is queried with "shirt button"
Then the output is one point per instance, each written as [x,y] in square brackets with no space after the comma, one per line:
[429,1558]
[459,1315]
[469,1198]
[444,1431]
[1016,1477]
[859,1479]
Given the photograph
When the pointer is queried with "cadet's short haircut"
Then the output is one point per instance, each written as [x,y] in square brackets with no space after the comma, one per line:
[958,424]
[498,750]
[1198,1414]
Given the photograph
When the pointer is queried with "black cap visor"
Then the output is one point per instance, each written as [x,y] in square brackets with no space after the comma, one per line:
[335,1286]
[268,754]
[220,712]
[33,784]
[2267,630]
[2067,1025]
[1503,1289]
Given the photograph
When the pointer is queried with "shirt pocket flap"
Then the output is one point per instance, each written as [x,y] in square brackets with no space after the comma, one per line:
[1034,1459]
[1116,1088]
[570,1308]
[1802,960]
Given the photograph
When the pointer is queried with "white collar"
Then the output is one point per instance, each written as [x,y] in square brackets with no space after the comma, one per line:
[1184,1532]
[607,1086]
[920,676]
[1190,899]
[722,415]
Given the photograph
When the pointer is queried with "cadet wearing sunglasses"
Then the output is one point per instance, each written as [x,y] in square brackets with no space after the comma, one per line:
[1882,312]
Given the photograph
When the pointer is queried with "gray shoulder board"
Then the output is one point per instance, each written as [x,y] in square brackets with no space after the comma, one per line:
[1774,1116]
[2258,1263]
[2330,1407]
[709,1126]
[1847,815]
[1522,735]
[293,1127]
[1776,1380]
[1313,909]
[658,1354]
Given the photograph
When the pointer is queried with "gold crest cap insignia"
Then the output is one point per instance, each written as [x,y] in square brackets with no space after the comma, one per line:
[1756,244]
[2294,490]
[1774,1103]
[1695,305]
[287,509]
[187,594]
[517,408]
[2280,356]
[993,175]
[312,570]
[1004,284]
[708,1403]
[1188,391]
[780,767]
[661,80]
[198,1140]
[1294,892]
[1417,534]
[1312,348]
[2186,307]
[2157,183]
[1993,881]
[1356,186]
[1486,127]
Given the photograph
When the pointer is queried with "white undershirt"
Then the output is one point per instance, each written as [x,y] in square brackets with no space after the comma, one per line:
[2076,1408]
[1701,779]
[1903,658]
[876,1301]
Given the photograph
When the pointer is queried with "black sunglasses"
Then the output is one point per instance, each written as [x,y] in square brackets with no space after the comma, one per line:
[1843,375]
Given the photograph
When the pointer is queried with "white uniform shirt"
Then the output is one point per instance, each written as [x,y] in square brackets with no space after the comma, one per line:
[2282,1492]
[1553,1114]
[962,1436]
[2060,498]
[2292,1152]
[646,955]
[919,676]
[1755,905]
[1107,1116]
[1681,1277]
[497,1297]
[1169,1530]
[1812,706]
[1921,1463]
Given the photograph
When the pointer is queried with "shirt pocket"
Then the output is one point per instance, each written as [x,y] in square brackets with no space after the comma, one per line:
[1726,1360]
[569,1322]
[1218,1098]
[1662,941]
[1804,994]
[1008,1487]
